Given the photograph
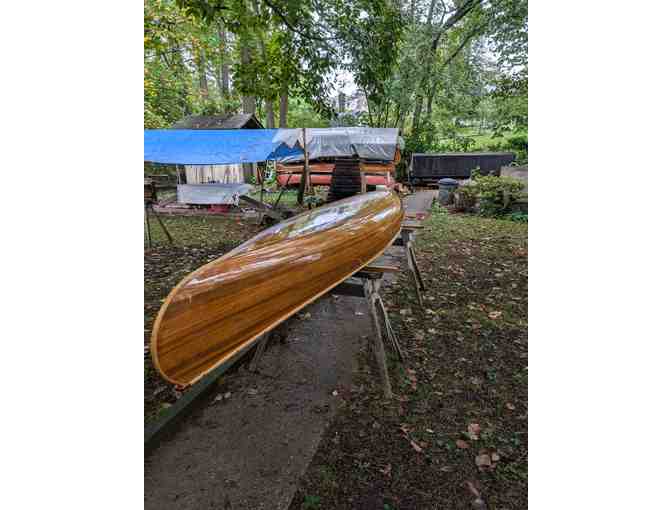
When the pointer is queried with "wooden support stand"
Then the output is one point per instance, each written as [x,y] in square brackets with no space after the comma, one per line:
[365,283]
[264,209]
[149,207]
[406,239]
[280,332]
[370,279]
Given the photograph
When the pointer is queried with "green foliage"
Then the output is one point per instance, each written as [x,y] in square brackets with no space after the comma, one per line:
[495,194]
[310,503]
[519,217]
[457,144]
[516,144]
[303,114]
[466,198]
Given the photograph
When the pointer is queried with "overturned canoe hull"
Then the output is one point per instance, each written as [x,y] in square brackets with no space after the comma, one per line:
[225,305]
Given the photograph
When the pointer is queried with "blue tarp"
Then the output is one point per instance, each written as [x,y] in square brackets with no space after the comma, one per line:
[215,146]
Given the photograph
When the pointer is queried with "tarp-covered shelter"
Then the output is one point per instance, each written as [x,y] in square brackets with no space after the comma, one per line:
[199,148]
[212,147]
[215,147]
[379,144]
[220,173]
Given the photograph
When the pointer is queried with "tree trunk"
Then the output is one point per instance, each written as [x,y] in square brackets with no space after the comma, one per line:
[225,68]
[430,101]
[284,107]
[249,102]
[417,112]
[270,114]
[199,57]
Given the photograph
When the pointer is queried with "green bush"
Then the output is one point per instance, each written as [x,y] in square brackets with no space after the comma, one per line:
[518,217]
[466,198]
[515,144]
[496,194]
[457,144]
[518,143]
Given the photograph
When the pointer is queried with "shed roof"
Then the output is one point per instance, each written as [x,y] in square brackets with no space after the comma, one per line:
[235,121]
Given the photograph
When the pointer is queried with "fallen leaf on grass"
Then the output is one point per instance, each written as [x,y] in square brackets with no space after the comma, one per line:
[387,470]
[477,503]
[462,444]
[473,430]
[417,447]
[495,315]
[483,460]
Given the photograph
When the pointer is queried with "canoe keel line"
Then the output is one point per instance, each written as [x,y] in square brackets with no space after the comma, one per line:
[224,306]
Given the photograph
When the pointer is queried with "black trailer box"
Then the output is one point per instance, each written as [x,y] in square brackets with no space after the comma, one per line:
[429,168]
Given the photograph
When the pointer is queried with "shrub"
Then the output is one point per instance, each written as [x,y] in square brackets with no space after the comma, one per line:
[457,144]
[465,198]
[496,194]
[518,143]
[518,217]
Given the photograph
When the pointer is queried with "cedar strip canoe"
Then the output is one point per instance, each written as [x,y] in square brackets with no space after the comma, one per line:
[230,302]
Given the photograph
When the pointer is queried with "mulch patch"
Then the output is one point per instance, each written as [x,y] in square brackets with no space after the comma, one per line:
[455,434]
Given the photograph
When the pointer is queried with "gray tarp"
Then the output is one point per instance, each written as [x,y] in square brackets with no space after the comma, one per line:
[211,193]
[367,143]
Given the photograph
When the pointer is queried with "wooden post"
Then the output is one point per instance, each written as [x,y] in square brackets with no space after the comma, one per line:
[149,231]
[304,175]
[163,227]
[260,177]
[261,347]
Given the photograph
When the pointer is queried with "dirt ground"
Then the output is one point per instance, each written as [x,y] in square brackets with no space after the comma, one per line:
[247,445]
[455,435]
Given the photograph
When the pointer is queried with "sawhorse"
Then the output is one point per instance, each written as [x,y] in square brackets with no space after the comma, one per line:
[149,207]
[365,283]
[406,239]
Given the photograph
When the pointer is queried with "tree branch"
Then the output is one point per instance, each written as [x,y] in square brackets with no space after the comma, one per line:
[289,25]
[468,38]
[461,12]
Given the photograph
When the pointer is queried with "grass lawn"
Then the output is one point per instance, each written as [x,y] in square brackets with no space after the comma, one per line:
[456,429]
[288,197]
[200,230]
[484,139]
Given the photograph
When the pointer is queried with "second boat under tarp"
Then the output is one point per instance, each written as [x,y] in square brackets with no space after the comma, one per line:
[225,305]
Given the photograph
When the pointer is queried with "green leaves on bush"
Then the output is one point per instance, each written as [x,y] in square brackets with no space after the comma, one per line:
[495,195]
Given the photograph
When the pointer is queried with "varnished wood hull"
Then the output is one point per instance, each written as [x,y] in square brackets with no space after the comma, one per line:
[225,305]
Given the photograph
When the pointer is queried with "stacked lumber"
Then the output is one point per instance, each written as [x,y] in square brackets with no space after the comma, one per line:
[346,179]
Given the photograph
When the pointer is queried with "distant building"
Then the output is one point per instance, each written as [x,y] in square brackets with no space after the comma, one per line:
[351,110]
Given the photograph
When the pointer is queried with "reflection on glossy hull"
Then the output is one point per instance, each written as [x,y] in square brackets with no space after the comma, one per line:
[223,306]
